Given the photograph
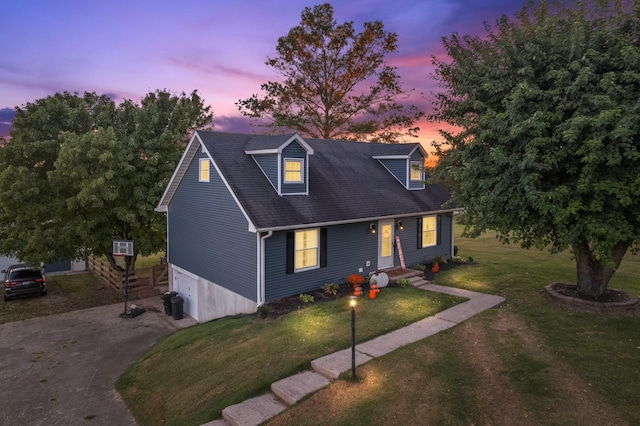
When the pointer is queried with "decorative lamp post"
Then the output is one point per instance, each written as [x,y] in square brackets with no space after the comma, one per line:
[352,302]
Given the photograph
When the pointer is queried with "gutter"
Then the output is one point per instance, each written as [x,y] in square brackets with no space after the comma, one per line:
[358,220]
[261,269]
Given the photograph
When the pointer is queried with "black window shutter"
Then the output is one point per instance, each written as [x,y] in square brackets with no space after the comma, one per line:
[439,230]
[290,254]
[323,247]
[419,232]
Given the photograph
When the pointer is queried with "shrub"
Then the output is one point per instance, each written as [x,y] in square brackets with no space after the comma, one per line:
[330,288]
[355,280]
[264,311]
[403,282]
[419,267]
[440,260]
[307,298]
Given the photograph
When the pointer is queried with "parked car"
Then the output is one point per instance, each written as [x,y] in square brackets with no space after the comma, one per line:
[21,279]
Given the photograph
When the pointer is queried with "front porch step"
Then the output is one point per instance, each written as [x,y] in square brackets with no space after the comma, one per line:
[396,274]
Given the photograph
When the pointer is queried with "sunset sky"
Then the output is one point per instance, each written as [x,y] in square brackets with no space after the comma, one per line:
[127,48]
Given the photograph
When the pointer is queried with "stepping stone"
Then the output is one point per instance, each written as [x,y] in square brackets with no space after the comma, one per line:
[294,388]
[254,411]
[331,366]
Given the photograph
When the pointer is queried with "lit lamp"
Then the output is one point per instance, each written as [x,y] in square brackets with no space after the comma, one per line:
[400,225]
[352,302]
[372,227]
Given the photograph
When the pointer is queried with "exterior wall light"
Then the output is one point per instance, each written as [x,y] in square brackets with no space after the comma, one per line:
[372,227]
[400,225]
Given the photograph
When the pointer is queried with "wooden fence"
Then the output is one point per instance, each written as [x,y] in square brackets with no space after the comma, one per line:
[143,283]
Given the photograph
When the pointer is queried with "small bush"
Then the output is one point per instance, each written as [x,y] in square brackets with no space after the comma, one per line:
[419,267]
[307,298]
[330,288]
[403,282]
[264,311]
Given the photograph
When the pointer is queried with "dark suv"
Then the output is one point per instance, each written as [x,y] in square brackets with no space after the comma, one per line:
[21,280]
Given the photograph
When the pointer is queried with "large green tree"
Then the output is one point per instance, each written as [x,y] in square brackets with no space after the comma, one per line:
[80,171]
[545,146]
[335,83]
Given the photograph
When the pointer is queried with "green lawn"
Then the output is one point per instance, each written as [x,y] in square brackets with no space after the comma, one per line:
[189,377]
[524,362]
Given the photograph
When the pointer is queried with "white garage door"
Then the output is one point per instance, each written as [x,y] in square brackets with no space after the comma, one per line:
[187,287]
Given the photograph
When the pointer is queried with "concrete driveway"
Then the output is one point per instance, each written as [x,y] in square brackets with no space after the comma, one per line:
[60,369]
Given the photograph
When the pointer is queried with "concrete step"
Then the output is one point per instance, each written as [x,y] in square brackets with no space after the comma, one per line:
[396,274]
[294,388]
[419,282]
[254,411]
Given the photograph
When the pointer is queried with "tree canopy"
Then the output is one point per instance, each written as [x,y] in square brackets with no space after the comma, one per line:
[545,146]
[336,83]
[80,171]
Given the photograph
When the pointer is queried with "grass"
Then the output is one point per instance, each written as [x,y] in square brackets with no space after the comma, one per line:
[189,377]
[64,293]
[524,362]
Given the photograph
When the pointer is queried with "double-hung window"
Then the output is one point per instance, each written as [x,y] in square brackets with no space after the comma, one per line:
[429,231]
[293,170]
[416,171]
[307,249]
[205,165]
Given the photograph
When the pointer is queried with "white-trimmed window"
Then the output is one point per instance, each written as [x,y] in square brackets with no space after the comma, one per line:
[429,231]
[205,168]
[307,249]
[293,170]
[416,171]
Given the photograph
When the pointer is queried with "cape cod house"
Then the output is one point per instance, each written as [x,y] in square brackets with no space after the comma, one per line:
[254,218]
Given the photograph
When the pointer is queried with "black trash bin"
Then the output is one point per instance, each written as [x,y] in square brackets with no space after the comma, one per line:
[166,299]
[177,303]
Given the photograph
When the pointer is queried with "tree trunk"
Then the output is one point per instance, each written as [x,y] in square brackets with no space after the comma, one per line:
[593,275]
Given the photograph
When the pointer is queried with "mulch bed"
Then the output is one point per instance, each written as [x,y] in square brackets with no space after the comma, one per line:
[276,308]
[610,295]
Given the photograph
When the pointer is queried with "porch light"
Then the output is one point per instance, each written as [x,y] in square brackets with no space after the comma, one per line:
[372,227]
[400,225]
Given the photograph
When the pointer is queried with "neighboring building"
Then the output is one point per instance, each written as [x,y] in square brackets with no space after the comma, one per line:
[253,218]
[56,268]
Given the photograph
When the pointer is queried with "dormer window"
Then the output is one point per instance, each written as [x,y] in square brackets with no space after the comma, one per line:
[416,171]
[293,168]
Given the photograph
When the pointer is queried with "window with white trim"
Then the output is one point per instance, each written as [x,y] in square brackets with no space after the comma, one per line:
[307,249]
[205,166]
[293,170]
[416,171]
[429,231]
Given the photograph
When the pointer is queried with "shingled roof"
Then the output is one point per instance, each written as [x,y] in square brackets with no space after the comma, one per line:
[346,182]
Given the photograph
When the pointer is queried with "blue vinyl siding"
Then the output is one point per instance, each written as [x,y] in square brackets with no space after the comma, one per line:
[294,150]
[349,247]
[208,234]
[398,168]
[415,184]
[269,165]
[409,241]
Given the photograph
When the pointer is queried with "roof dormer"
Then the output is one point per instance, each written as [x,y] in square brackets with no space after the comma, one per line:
[406,163]
[284,160]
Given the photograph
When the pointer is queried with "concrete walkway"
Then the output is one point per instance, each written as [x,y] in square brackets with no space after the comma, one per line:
[290,390]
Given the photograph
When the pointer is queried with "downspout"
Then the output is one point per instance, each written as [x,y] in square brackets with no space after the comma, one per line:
[261,269]
[451,218]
